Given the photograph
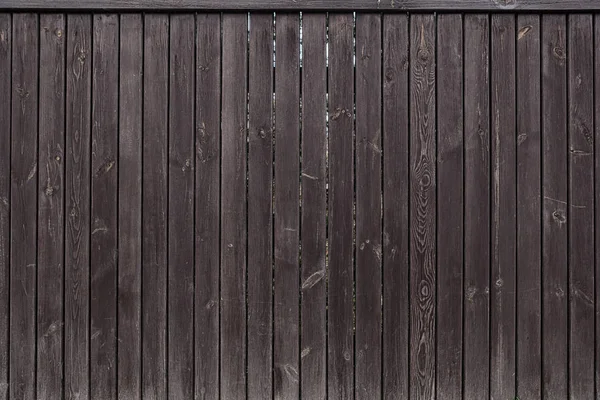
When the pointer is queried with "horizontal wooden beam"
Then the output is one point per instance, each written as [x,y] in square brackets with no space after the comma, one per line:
[306,5]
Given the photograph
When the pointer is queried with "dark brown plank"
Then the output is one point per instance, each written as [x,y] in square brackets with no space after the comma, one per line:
[580,213]
[477,207]
[130,207]
[51,206]
[23,205]
[233,206]
[399,5]
[597,188]
[208,140]
[529,371]
[450,205]
[395,207]
[154,206]
[103,273]
[554,182]
[340,279]
[5,109]
[368,206]
[286,356]
[181,207]
[422,206]
[503,211]
[260,208]
[77,207]
[313,355]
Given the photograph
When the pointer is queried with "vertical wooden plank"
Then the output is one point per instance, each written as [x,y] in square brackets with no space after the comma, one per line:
[580,213]
[554,182]
[260,208]
[503,211]
[528,208]
[233,206]
[208,150]
[422,206]
[181,207]
[395,206]
[77,207]
[340,318]
[50,206]
[450,206]
[130,206]
[154,206]
[103,273]
[5,134]
[286,197]
[477,207]
[368,206]
[314,207]
[23,250]
[597,189]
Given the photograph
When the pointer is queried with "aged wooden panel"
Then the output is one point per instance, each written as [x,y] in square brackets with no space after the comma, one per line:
[313,355]
[422,206]
[23,206]
[450,153]
[260,207]
[528,208]
[51,206]
[477,207]
[395,136]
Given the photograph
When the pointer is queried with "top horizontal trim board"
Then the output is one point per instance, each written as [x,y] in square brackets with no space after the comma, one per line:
[383,5]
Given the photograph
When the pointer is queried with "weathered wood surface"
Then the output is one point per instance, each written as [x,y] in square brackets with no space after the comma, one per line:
[369,205]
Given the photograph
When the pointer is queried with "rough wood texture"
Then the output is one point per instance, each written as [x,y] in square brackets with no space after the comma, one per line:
[477,207]
[529,372]
[313,355]
[450,153]
[23,206]
[554,207]
[396,233]
[340,279]
[503,208]
[208,151]
[155,206]
[387,5]
[233,206]
[580,203]
[77,205]
[51,207]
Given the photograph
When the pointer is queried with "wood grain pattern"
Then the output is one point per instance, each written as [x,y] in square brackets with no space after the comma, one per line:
[51,207]
[395,136]
[181,207]
[155,206]
[5,147]
[422,206]
[596,188]
[103,272]
[476,295]
[503,208]
[260,207]
[208,151]
[313,355]
[450,153]
[554,207]
[286,230]
[369,249]
[580,211]
[23,206]
[233,206]
[388,5]
[77,207]
[340,279]
[130,207]
[528,361]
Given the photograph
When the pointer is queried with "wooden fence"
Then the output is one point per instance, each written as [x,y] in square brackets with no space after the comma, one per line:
[343,205]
